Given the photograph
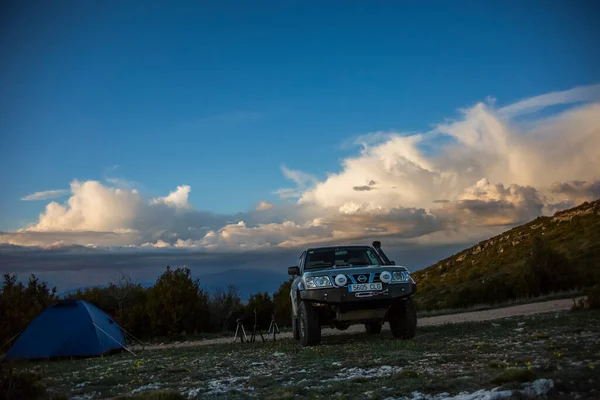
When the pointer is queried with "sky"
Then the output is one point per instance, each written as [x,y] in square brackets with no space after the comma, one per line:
[234,134]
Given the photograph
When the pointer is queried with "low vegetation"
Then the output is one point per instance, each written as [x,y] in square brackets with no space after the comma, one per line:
[549,254]
[555,352]
[174,308]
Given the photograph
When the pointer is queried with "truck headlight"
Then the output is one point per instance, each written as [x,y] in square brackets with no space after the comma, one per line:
[313,282]
[341,280]
[385,277]
[400,276]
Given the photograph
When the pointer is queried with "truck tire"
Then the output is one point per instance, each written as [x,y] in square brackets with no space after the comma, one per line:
[373,328]
[310,329]
[295,329]
[403,319]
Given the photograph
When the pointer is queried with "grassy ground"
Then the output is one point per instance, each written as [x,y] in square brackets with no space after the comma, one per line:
[564,347]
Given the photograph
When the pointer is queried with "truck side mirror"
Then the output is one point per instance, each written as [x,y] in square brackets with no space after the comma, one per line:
[293,270]
[393,262]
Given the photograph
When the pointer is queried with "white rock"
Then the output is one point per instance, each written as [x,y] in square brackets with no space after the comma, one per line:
[538,387]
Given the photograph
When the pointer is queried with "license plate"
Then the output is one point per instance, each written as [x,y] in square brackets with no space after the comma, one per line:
[365,287]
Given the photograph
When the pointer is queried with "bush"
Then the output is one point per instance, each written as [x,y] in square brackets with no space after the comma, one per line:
[593,297]
[515,375]
[20,304]
[19,385]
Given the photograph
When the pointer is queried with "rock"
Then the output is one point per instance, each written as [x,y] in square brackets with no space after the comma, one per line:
[539,387]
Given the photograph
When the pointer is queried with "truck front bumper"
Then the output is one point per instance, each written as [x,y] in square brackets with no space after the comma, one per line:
[341,295]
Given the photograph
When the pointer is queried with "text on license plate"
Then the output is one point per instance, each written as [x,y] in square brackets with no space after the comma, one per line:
[364,287]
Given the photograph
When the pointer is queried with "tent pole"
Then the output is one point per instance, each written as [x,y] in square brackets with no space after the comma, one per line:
[122,345]
[10,340]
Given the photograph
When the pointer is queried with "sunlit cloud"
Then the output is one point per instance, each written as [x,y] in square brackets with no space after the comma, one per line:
[45,195]
[489,171]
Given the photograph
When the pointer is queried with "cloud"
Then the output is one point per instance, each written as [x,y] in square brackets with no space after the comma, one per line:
[264,205]
[177,199]
[489,171]
[301,179]
[364,188]
[48,194]
[578,94]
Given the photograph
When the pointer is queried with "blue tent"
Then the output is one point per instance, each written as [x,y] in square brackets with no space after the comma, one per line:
[68,328]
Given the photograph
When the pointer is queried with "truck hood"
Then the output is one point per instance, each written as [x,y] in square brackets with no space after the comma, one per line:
[367,269]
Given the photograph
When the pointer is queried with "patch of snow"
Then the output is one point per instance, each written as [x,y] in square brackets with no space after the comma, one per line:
[278,354]
[540,387]
[360,373]
[86,396]
[82,384]
[218,386]
[193,393]
[150,386]
[336,364]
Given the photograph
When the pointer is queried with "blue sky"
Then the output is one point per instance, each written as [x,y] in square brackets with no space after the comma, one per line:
[219,96]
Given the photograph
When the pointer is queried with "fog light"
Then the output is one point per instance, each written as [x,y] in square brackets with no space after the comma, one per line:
[341,280]
[385,277]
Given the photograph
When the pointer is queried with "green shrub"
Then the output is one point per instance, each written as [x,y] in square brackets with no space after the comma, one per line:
[514,375]
[591,300]
[17,385]
[593,297]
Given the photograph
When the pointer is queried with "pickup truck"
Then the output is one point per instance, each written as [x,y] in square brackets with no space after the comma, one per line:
[339,286]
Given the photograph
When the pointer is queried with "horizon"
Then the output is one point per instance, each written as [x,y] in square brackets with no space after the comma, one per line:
[219,137]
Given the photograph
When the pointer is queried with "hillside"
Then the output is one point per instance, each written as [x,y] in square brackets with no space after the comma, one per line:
[497,269]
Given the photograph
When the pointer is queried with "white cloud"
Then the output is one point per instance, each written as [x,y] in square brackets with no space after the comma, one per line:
[45,195]
[264,205]
[578,94]
[177,198]
[489,172]
[301,179]
[91,207]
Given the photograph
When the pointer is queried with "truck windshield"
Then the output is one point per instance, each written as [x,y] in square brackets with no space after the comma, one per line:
[341,257]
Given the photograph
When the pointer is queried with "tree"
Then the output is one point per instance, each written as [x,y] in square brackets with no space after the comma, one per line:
[262,303]
[177,305]
[283,304]
[224,306]
[548,270]
[20,304]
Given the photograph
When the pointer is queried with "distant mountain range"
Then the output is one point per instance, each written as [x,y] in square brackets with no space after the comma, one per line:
[247,281]
[501,260]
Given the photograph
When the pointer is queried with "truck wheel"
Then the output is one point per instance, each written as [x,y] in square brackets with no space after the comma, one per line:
[295,329]
[373,328]
[310,329]
[403,319]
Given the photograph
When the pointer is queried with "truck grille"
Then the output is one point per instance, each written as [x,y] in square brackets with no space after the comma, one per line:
[371,277]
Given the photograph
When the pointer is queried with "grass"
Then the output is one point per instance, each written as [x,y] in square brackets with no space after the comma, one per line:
[562,346]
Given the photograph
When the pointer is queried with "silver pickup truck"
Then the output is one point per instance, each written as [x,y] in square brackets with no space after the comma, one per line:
[339,286]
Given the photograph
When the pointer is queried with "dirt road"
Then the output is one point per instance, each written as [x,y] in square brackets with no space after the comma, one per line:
[525,309]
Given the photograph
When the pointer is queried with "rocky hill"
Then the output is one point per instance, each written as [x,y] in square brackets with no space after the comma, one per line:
[499,269]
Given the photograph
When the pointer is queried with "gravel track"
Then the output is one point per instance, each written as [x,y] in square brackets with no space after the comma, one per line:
[486,315]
